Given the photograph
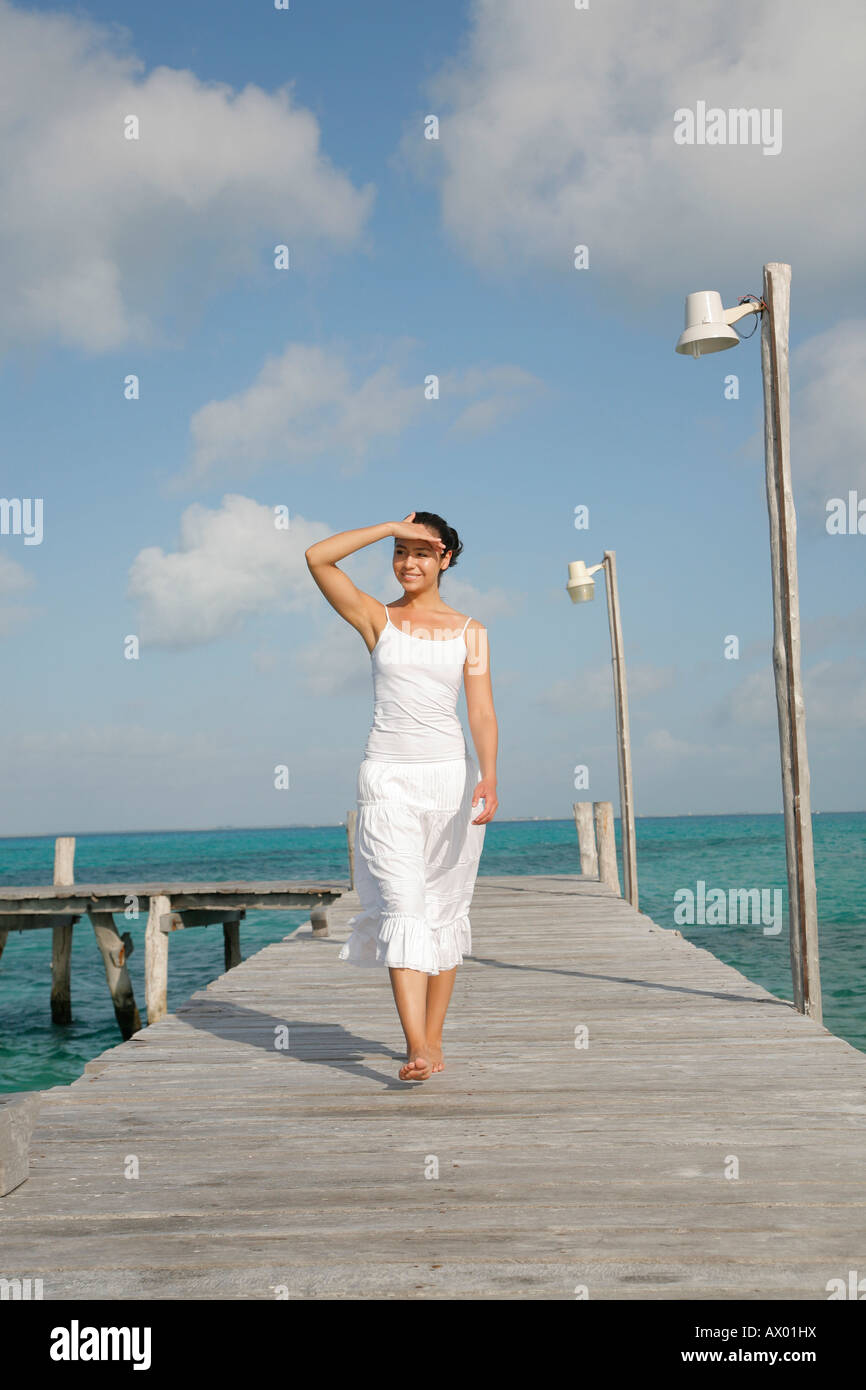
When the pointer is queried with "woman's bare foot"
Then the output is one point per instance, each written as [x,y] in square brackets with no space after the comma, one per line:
[416,1067]
[434,1052]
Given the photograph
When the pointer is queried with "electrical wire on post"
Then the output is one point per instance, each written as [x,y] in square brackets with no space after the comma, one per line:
[755,299]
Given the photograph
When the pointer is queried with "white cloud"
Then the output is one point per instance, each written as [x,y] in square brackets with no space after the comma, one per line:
[648,680]
[98,777]
[751,703]
[593,689]
[230,564]
[557,129]
[828,402]
[97,230]
[14,579]
[828,420]
[667,745]
[832,629]
[106,746]
[308,404]
[302,405]
[661,756]
[336,663]
[834,697]
[501,391]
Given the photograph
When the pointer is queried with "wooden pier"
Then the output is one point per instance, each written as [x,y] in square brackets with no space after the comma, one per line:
[621,1117]
[165,907]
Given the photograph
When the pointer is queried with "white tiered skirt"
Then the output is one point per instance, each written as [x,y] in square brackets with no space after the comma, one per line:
[416,860]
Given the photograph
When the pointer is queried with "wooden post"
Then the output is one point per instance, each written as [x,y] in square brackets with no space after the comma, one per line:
[319,919]
[64,859]
[623,739]
[604,833]
[796,794]
[586,838]
[61,937]
[351,823]
[115,951]
[156,960]
[231,943]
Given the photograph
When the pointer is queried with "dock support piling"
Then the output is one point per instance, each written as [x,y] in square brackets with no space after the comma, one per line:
[608,871]
[156,960]
[319,919]
[61,937]
[586,838]
[114,951]
[231,943]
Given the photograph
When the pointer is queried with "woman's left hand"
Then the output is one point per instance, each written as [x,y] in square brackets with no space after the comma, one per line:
[486,788]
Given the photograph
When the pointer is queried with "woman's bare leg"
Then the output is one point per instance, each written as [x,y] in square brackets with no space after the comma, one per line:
[439,989]
[410,995]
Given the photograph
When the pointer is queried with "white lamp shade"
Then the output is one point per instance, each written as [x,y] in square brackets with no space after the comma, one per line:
[706,329]
[581,585]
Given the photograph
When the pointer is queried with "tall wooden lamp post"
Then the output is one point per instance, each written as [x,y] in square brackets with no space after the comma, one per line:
[709,329]
[581,587]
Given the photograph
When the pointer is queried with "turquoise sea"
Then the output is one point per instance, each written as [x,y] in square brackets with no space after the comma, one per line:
[673,853]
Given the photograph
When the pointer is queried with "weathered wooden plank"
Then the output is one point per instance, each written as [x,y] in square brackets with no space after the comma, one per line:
[113,897]
[429,1278]
[330,1209]
[683,1247]
[17,1114]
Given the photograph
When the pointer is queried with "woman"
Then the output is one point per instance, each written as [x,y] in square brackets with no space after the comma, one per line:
[417,845]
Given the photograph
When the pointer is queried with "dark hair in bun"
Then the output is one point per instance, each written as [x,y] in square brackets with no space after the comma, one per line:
[446,534]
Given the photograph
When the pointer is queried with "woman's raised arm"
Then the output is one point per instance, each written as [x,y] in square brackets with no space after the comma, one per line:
[341,592]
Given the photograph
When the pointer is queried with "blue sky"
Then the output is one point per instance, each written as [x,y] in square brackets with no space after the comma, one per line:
[304,387]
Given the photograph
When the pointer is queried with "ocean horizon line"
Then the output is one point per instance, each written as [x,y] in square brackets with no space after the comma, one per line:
[341,825]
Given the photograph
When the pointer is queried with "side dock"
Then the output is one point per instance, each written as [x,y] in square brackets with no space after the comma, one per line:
[621,1116]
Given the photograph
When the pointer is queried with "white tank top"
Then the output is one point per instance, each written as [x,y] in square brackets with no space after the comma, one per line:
[416,682]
